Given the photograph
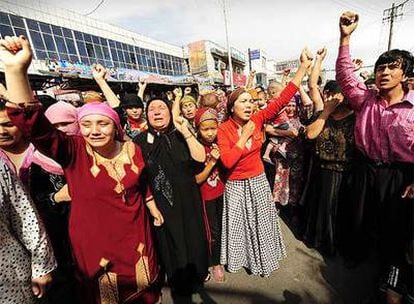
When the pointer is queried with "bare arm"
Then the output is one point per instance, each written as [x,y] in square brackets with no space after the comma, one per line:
[315,128]
[212,161]
[314,91]
[99,74]
[250,80]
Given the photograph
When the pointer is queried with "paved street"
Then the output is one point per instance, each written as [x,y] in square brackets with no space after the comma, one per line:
[304,277]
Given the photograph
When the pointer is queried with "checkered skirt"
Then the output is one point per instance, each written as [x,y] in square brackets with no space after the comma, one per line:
[251,234]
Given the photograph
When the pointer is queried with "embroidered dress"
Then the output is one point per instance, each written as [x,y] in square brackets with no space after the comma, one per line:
[25,251]
[109,226]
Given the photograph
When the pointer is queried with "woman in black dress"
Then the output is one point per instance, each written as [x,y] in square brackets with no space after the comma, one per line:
[169,150]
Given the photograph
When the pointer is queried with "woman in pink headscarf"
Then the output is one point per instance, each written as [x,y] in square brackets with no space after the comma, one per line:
[109,225]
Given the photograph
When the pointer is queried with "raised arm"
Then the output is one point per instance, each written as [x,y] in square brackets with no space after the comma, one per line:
[23,110]
[276,104]
[142,85]
[314,91]
[99,74]
[354,90]
[181,124]
[315,128]
[250,80]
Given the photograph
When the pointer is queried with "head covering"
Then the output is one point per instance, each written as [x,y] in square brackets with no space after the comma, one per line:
[168,104]
[64,112]
[46,100]
[231,99]
[188,98]
[209,100]
[204,114]
[131,100]
[104,109]
[92,96]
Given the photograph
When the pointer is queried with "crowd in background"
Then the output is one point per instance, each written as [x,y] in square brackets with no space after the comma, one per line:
[108,201]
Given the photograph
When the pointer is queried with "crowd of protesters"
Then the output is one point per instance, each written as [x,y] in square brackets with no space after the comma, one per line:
[109,201]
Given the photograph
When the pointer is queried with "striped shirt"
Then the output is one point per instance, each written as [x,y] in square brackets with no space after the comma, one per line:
[382,132]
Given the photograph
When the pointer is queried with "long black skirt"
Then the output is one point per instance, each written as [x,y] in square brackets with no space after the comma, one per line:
[326,193]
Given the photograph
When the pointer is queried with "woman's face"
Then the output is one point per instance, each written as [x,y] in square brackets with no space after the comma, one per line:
[67,127]
[208,130]
[98,130]
[291,109]
[134,112]
[243,107]
[188,109]
[10,135]
[158,115]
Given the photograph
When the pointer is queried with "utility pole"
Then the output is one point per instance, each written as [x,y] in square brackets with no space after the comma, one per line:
[390,15]
[228,45]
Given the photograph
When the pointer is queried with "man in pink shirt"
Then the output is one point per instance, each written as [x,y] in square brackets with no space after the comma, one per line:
[382,207]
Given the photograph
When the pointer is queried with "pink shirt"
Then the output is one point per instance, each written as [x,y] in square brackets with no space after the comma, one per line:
[382,132]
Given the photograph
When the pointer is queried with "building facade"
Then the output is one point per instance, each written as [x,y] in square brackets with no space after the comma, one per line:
[209,60]
[64,41]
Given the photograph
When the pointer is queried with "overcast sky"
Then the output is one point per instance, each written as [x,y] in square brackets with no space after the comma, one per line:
[281,28]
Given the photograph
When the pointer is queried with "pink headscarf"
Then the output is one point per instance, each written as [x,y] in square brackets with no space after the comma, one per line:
[64,112]
[104,109]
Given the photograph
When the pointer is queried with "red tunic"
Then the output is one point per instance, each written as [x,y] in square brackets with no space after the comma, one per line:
[108,217]
[246,163]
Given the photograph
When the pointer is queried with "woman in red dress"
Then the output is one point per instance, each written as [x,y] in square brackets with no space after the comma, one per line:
[109,225]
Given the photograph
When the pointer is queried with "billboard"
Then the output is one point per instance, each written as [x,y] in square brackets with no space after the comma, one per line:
[288,64]
[197,57]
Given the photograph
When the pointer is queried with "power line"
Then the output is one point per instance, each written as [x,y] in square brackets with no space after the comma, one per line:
[92,11]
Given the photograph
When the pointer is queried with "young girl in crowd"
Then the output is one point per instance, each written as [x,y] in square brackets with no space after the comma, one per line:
[251,235]
[211,180]
[109,228]
[188,107]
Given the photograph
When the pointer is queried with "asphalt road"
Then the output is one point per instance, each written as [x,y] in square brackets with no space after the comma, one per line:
[304,277]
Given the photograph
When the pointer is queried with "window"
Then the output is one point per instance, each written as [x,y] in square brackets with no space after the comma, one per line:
[60,44]
[71,46]
[45,28]
[67,32]
[78,35]
[82,48]
[41,55]
[56,30]
[20,31]
[4,18]
[37,40]
[98,51]
[32,24]
[106,53]
[114,54]
[88,38]
[17,21]
[73,58]
[50,45]
[89,50]
[95,39]
[6,30]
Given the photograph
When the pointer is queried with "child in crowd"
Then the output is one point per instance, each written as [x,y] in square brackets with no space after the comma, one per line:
[210,179]
[188,107]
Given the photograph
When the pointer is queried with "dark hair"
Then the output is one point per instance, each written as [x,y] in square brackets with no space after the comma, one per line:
[369,81]
[332,86]
[262,89]
[406,58]
[46,100]
[231,99]
[131,100]
[2,105]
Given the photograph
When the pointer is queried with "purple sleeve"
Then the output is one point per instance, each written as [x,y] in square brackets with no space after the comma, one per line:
[354,90]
